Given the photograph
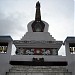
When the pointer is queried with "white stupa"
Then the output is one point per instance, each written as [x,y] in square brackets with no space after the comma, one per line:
[37,52]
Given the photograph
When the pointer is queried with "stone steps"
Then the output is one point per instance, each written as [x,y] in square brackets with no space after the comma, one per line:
[38,70]
[24,73]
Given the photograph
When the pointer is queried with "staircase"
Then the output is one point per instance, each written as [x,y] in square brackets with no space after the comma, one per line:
[38,70]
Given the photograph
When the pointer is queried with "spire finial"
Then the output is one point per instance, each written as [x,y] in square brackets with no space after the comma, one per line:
[38,4]
[38,14]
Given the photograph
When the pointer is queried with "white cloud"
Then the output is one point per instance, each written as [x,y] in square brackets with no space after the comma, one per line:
[12,25]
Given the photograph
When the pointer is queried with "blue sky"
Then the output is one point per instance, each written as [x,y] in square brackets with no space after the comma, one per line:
[16,14]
